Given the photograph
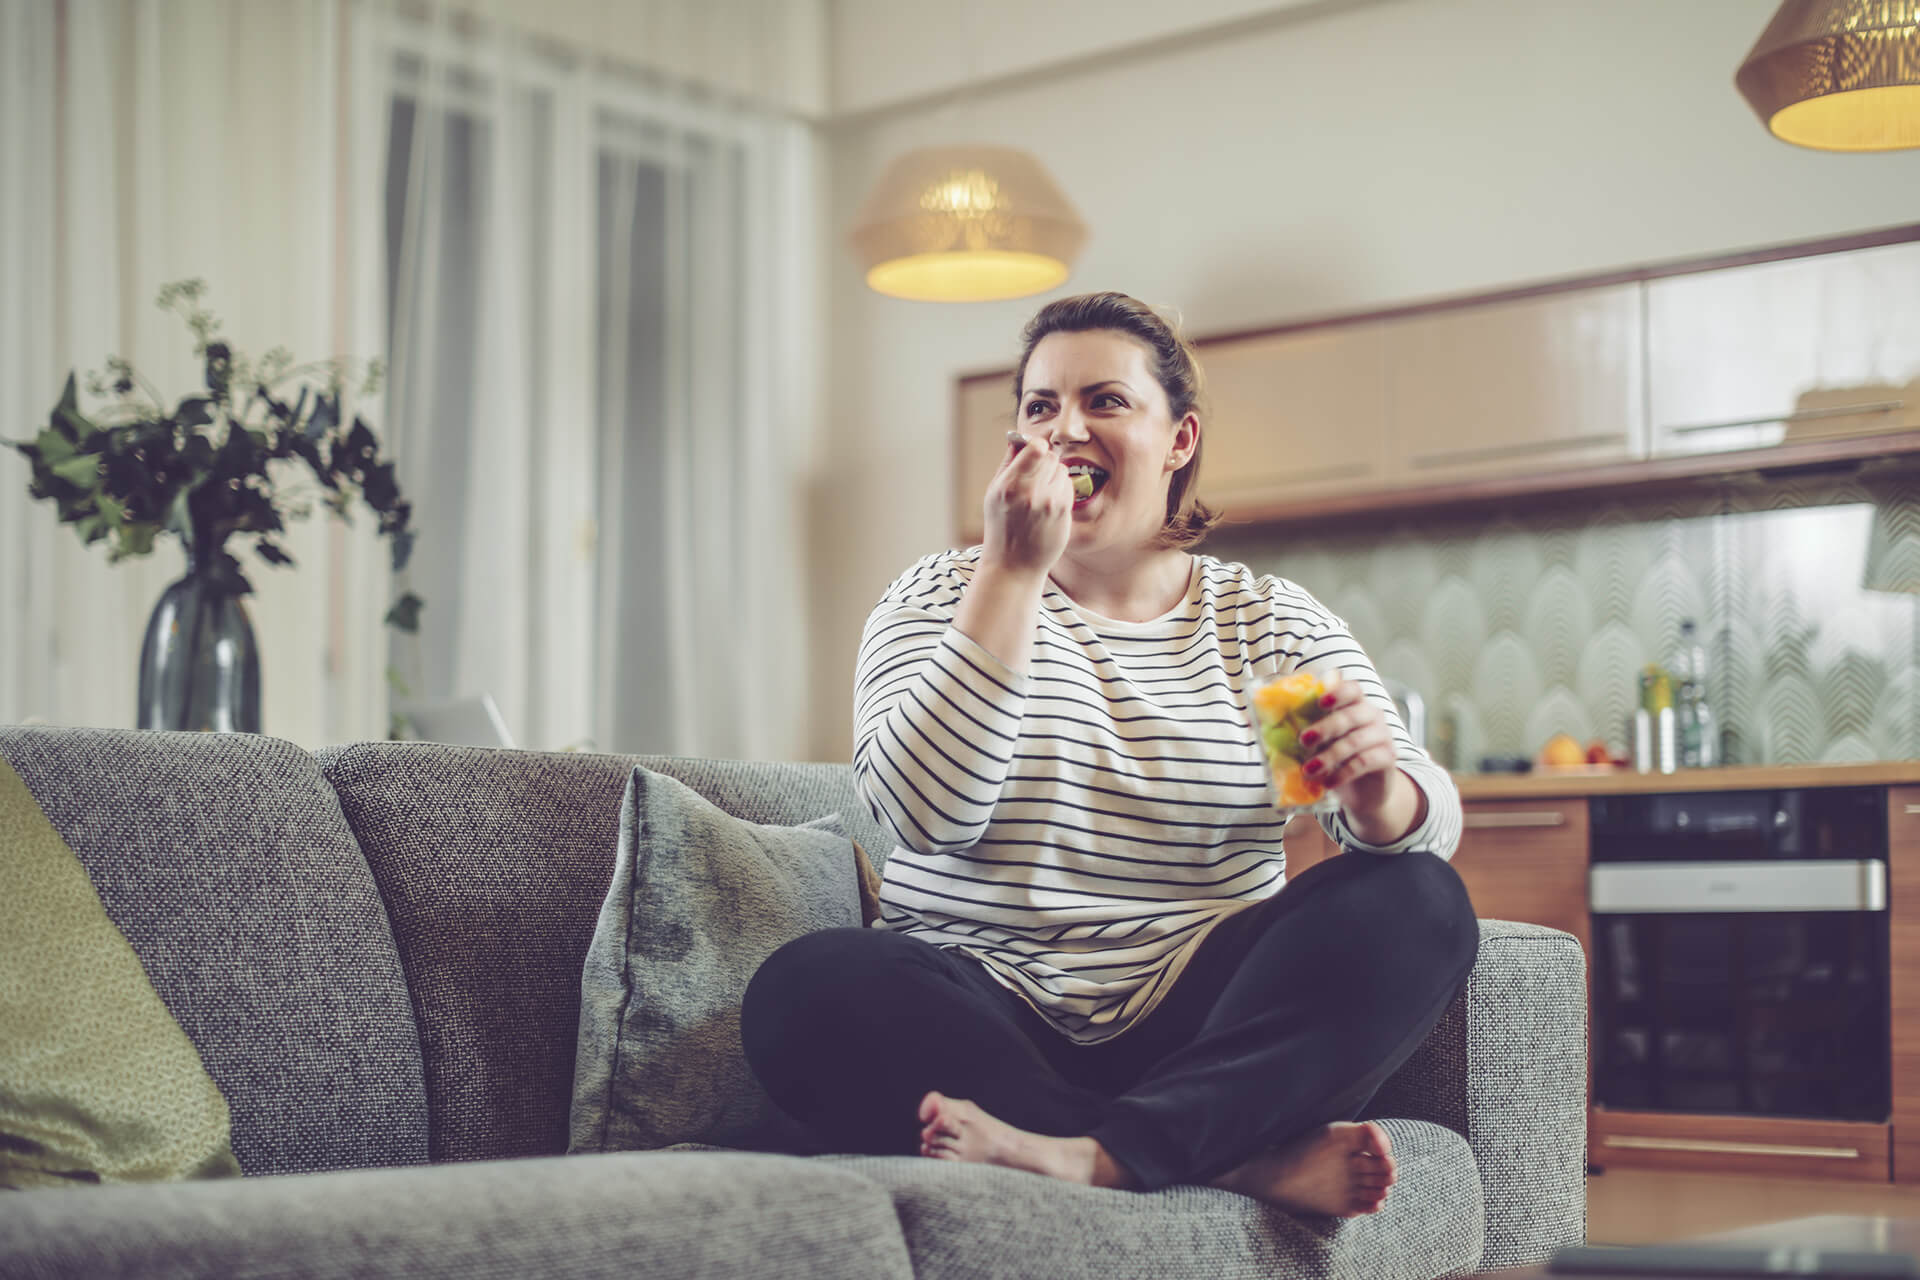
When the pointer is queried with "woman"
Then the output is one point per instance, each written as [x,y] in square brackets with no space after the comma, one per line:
[1085,965]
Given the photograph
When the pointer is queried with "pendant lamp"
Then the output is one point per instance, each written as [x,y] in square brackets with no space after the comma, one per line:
[1838,75]
[966,224]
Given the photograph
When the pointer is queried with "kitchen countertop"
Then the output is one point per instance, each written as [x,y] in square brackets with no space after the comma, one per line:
[1599,780]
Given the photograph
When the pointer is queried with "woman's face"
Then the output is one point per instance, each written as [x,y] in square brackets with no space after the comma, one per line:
[1095,396]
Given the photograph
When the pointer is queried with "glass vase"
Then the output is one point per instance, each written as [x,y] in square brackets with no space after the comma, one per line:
[199,666]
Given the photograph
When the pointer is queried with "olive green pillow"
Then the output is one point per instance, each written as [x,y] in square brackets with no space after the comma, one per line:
[98,1083]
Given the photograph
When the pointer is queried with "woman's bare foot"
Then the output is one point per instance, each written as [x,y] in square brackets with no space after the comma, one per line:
[954,1129]
[1341,1169]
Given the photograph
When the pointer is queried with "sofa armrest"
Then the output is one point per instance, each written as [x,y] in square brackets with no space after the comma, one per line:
[1506,1068]
[674,1215]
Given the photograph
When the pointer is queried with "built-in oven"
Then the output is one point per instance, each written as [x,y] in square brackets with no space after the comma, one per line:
[1740,953]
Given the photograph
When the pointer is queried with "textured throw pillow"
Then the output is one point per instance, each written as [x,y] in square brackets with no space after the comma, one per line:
[98,1083]
[699,899]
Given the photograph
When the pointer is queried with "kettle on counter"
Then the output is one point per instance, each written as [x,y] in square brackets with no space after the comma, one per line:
[1412,708]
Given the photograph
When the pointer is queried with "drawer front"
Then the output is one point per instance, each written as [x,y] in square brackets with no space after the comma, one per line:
[1526,860]
[1740,1144]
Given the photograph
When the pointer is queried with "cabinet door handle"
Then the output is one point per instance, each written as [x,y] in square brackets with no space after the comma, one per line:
[1799,415]
[1732,1148]
[1452,457]
[1544,818]
[1913,808]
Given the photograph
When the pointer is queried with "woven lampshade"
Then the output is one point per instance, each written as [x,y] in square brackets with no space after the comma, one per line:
[966,224]
[1838,75]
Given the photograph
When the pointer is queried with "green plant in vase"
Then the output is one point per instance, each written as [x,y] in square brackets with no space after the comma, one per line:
[220,464]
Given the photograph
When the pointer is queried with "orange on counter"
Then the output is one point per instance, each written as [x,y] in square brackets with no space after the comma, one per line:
[1562,749]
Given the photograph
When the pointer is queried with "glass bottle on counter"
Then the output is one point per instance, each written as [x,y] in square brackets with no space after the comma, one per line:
[1655,739]
[1693,718]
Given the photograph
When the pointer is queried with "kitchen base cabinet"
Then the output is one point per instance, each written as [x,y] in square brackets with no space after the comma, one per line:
[1903,897]
[1526,860]
[1520,860]
[1306,844]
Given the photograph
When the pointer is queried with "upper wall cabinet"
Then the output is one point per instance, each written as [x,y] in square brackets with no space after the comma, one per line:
[1538,384]
[1780,352]
[1293,415]
[1651,379]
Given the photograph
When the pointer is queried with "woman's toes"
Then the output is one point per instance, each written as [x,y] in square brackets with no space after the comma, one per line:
[930,1107]
[1374,1142]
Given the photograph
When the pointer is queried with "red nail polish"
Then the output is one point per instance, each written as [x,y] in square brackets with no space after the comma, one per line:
[1327,701]
[1312,766]
[1310,737]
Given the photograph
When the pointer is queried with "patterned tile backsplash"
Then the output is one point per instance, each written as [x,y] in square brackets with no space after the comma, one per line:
[1518,626]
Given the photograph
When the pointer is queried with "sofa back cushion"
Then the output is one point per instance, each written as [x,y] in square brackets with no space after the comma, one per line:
[494,865]
[226,863]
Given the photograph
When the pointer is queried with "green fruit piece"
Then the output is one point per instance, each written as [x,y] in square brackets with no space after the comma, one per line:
[1082,485]
[1282,742]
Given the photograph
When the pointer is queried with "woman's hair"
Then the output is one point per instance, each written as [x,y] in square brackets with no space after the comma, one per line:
[1174,365]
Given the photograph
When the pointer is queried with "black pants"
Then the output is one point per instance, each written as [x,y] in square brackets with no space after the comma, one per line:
[1291,1015]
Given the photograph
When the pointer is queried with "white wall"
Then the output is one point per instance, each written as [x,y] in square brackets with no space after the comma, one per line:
[1370,155]
[775,50]
[886,53]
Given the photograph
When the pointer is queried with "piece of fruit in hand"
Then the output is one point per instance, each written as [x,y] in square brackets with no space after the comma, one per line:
[1294,786]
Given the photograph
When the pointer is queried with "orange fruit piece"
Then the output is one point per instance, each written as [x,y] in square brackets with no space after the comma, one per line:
[1281,698]
[1297,788]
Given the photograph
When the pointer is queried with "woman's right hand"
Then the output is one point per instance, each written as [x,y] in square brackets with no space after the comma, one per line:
[1029,509]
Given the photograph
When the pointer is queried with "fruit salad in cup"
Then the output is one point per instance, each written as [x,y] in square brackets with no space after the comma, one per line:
[1282,710]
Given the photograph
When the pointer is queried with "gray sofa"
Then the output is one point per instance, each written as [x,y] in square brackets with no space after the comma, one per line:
[377,951]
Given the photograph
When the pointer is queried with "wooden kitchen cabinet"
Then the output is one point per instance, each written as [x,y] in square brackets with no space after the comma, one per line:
[1293,415]
[1903,901]
[1306,844]
[1287,416]
[1659,377]
[1780,352]
[1526,860]
[1521,860]
[1545,383]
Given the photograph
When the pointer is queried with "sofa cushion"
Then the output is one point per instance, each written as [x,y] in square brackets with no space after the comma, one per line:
[699,898]
[494,865]
[755,1217]
[225,861]
[98,1083]
[975,1222]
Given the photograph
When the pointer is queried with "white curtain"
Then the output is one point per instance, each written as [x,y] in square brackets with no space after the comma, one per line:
[142,143]
[597,292]
[600,322]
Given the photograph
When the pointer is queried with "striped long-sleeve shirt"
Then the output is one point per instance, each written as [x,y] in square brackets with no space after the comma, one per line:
[1079,829]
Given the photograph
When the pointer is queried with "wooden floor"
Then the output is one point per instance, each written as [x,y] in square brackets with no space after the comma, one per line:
[1642,1206]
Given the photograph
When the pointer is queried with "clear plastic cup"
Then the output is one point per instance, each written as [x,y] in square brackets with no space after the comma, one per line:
[1281,708]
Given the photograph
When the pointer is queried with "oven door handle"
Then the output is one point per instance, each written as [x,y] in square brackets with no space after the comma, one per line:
[1825,884]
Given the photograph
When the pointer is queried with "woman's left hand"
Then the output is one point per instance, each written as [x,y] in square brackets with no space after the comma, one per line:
[1354,756]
